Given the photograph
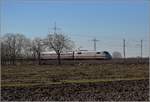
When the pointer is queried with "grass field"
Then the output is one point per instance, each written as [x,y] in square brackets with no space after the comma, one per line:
[79,82]
[28,75]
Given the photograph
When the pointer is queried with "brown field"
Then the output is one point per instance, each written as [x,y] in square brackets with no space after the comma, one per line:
[39,77]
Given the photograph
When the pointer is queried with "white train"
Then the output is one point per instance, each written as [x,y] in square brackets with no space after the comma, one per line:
[78,55]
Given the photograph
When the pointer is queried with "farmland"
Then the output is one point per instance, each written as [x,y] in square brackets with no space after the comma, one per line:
[75,82]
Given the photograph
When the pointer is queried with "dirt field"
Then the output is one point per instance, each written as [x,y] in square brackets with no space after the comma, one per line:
[75,82]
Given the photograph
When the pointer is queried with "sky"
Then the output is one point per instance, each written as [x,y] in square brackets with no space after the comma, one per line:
[109,21]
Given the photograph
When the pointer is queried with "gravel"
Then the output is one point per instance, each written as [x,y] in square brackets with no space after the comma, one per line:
[133,90]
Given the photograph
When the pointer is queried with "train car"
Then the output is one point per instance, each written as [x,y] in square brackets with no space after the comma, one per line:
[92,55]
[78,55]
[53,55]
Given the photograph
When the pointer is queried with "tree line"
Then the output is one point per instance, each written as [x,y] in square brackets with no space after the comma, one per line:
[18,46]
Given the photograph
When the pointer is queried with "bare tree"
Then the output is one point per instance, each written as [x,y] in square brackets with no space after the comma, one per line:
[12,47]
[3,53]
[37,47]
[27,49]
[59,43]
[116,54]
[8,48]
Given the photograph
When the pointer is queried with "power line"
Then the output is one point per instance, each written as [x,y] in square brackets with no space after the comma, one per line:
[141,47]
[55,28]
[124,45]
[95,40]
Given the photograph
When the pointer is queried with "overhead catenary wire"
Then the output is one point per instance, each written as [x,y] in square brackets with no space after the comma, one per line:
[129,45]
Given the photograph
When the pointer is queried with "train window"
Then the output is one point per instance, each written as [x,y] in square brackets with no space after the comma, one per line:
[98,52]
[79,52]
[106,52]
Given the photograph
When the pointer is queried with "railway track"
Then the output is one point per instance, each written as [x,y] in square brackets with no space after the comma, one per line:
[97,61]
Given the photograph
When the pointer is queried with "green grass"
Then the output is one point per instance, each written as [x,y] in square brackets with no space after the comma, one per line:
[68,82]
[28,75]
[99,80]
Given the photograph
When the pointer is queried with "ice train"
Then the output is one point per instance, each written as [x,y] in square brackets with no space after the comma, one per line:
[78,55]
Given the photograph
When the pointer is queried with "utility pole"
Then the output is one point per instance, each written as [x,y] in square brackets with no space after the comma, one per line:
[124,45]
[55,28]
[141,48]
[95,40]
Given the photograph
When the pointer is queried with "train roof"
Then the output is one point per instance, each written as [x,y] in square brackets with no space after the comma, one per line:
[81,51]
[49,52]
